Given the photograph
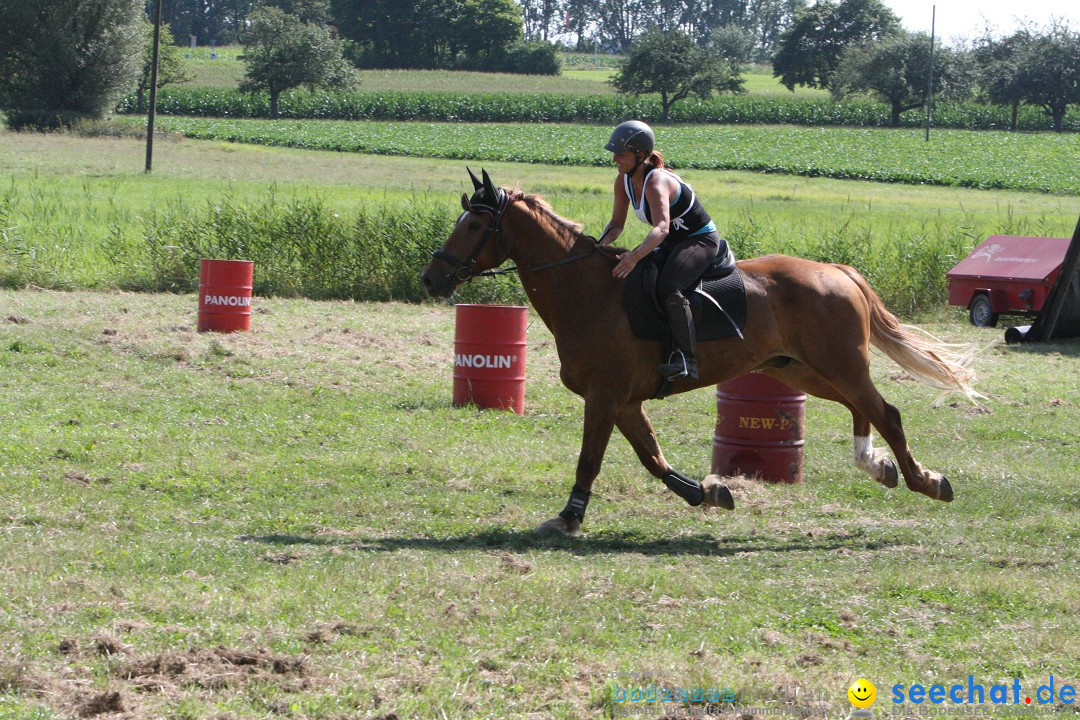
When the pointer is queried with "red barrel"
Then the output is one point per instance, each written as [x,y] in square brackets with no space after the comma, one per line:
[225,295]
[759,429]
[489,356]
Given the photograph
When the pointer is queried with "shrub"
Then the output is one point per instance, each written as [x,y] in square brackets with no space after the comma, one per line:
[532,58]
[301,248]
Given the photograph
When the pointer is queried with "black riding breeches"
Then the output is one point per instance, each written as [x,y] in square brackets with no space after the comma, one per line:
[687,261]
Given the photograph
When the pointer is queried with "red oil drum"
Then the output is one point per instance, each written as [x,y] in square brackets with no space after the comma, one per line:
[489,356]
[759,429]
[225,295]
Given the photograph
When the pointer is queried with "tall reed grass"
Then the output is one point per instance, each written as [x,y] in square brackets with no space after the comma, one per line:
[303,248]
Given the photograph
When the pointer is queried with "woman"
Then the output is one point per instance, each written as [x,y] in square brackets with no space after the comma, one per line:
[680,227]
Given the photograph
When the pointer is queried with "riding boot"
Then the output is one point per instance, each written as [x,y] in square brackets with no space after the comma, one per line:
[683,360]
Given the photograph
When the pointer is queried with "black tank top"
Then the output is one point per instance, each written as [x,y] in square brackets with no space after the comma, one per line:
[688,217]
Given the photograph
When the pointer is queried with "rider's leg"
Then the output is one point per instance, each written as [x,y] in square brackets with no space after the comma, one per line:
[687,261]
[683,362]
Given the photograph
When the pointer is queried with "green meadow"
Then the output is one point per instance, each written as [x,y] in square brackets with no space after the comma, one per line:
[79,212]
[295,522]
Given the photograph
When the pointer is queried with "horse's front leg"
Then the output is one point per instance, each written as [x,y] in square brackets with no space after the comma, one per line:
[634,424]
[600,416]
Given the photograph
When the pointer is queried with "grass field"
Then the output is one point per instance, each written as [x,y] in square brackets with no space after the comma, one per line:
[294,522]
[227,70]
[65,200]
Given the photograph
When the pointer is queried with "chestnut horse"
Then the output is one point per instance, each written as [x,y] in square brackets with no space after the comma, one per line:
[809,325]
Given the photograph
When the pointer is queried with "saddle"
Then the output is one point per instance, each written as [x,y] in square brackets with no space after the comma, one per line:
[717,300]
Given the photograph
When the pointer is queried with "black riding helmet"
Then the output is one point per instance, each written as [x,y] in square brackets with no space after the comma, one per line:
[632,135]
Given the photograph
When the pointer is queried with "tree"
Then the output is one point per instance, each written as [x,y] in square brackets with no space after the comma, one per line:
[896,70]
[669,63]
[208,21]
[282,53]
[465,34]
[811,47]
[998,66]
[171,67]
[482,33]
[67,59]
[1048,71]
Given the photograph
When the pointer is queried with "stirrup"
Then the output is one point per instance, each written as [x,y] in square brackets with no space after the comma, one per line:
[676,367]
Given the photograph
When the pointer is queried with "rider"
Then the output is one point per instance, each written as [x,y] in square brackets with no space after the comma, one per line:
[681,228]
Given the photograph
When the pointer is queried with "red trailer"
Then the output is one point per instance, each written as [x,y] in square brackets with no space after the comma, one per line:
[1006,275]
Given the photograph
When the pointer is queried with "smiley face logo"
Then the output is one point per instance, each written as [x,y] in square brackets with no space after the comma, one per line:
[862,693]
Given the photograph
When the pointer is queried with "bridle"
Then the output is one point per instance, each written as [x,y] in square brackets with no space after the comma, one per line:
[464,269]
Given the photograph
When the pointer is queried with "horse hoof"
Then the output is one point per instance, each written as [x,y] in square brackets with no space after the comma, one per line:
[717,495]
[891,478]
[945,493]
[560,526]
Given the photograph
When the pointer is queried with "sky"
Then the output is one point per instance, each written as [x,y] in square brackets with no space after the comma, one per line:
[968,18]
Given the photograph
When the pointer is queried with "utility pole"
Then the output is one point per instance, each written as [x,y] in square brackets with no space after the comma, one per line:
[930,75]
[153,88]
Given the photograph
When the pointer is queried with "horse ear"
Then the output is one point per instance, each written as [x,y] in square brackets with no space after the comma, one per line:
[475,180]
[489,188]
[465,202]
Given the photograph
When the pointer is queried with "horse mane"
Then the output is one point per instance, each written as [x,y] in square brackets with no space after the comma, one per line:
[568,230]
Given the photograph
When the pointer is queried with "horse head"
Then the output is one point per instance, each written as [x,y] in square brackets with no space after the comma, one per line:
[474,245]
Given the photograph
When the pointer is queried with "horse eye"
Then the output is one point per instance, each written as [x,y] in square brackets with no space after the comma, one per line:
[474,226]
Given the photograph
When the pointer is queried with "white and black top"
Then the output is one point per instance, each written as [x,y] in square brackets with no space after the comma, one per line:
[688,217]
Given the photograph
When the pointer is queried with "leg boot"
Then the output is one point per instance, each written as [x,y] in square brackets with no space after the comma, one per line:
[683,361]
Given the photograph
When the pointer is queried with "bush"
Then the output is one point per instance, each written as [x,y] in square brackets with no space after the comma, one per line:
[300,247]
[43,120]
[532,58]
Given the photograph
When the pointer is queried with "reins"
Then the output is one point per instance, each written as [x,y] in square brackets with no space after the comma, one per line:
[564,261]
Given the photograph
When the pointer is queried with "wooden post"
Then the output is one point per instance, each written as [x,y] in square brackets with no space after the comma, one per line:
[153,89]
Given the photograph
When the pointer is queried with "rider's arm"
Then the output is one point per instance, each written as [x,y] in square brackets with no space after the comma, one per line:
[618,213]
[658,194]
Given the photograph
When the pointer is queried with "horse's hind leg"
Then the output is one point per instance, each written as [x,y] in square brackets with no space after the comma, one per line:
[634,424]
[849,375]
[874,462]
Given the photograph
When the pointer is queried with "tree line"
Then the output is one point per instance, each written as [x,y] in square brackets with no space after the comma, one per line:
[67,59]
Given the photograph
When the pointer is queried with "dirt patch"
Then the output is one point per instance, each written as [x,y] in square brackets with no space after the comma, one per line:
[214,669]
[329,632]
[99,703]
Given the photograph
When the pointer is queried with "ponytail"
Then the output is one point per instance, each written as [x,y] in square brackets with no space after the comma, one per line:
[655,160]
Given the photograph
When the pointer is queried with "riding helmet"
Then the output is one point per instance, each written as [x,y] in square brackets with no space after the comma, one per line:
[632,135]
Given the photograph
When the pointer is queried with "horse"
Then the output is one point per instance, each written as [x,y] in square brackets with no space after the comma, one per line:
[808,324]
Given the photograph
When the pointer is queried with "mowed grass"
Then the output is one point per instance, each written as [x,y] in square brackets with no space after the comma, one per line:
[226,70]
[295,522]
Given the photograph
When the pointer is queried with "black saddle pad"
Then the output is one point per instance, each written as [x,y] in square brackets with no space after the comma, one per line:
[648,322]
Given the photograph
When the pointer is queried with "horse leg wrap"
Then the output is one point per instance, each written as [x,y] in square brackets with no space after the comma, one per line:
[686,488]
[575,508]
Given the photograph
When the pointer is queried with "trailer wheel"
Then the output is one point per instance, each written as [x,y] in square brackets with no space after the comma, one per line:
[981,313]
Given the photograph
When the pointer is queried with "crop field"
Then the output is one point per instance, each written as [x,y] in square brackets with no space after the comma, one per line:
[1044,162]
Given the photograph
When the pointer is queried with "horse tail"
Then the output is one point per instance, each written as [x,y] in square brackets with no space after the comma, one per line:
[945,366]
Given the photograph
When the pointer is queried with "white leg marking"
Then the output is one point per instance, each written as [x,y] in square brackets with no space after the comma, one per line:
[864,455]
